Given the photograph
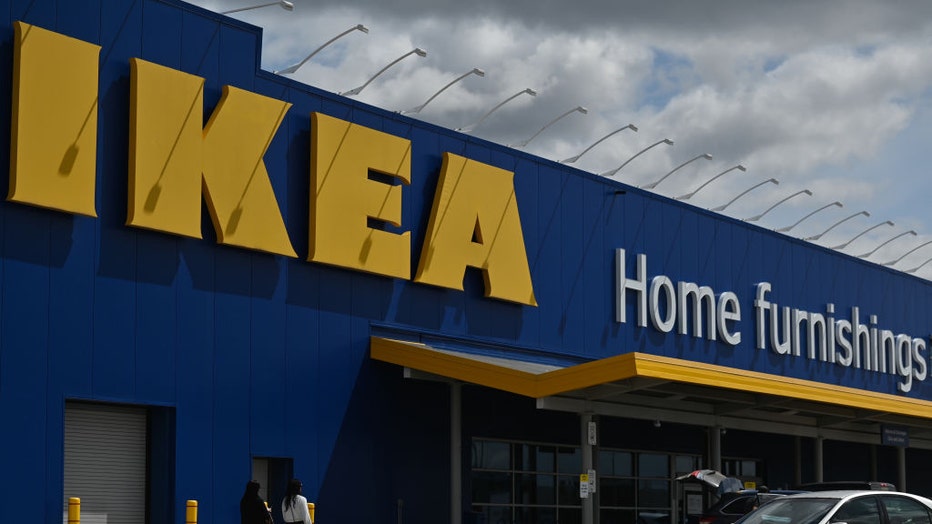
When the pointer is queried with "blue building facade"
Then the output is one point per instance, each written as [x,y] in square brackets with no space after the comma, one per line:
[243,361]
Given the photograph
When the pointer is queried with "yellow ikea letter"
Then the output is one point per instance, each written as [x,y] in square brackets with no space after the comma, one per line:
[474,222]
[239,193]
[344,198]
[166,112]
[53,157]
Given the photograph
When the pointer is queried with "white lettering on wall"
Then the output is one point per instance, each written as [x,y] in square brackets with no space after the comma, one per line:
[696,310]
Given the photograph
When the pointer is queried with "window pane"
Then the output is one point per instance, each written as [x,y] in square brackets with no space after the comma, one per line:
[653,517]
[537,458]
[653,493]
[536,489]
[491,455]
[617,492]
[536,516]
[862,510]
[568,490]
[570,460]
[902,510]
[686,463]
[616,463]
[616,516]
[570,516]
[491,487]
[749,468]
[653,465]
[495,514]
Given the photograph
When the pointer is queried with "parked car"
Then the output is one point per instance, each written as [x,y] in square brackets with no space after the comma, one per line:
[850,507]
[847,484]
[736,504]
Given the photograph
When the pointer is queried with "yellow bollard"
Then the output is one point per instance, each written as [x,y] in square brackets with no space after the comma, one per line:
[74,510]
[310,509]
[190,515]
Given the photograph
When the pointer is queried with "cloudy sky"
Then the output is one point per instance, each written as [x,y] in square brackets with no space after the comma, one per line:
[832,96]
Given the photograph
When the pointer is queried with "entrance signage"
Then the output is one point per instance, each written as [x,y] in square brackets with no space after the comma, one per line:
[839,339]
[357,174]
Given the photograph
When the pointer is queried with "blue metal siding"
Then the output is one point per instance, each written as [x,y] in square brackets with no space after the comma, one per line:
[262,355]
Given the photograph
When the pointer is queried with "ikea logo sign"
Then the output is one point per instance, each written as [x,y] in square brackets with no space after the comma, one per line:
[175,162]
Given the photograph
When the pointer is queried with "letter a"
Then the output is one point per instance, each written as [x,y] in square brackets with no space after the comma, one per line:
[474,222]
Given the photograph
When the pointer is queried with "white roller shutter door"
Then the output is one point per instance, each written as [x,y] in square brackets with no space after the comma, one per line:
[105,462]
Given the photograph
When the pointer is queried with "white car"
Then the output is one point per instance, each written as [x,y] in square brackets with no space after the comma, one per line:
[849,507]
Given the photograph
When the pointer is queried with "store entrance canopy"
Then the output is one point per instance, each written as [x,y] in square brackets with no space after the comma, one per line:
[639,385]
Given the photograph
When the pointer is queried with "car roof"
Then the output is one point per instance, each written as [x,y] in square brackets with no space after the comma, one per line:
[852,493]
[846,485]
[832,494]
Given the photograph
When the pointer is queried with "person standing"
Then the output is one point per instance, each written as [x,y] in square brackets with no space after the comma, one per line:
[294,505]
[252,509]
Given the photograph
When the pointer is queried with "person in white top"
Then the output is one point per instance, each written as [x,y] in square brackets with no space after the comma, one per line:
[294,505]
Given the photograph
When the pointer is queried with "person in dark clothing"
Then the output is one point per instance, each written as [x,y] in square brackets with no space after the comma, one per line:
[252,509]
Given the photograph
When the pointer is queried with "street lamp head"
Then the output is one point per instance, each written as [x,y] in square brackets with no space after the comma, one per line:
[769,209]
[355,91]
[476,71]
[816,237]
[664,177]
[572,159]
[692,193]
[284,4]
[612,173]
[577,109]
[291,69]
[527,91]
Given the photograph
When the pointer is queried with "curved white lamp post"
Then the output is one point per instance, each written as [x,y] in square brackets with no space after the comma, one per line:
[287,6]
[577,109]
[872,251]
[687,196]
[291,69]
[913,270]
[417,109]
[356,90]
[892,262]
[664,177]
[816,237]
[826,206]
[572,159]
[469,128]
[769,209]
[746,191]
[855,237]
[617,169]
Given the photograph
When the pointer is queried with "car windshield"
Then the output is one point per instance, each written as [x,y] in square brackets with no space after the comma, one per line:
[790,511]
